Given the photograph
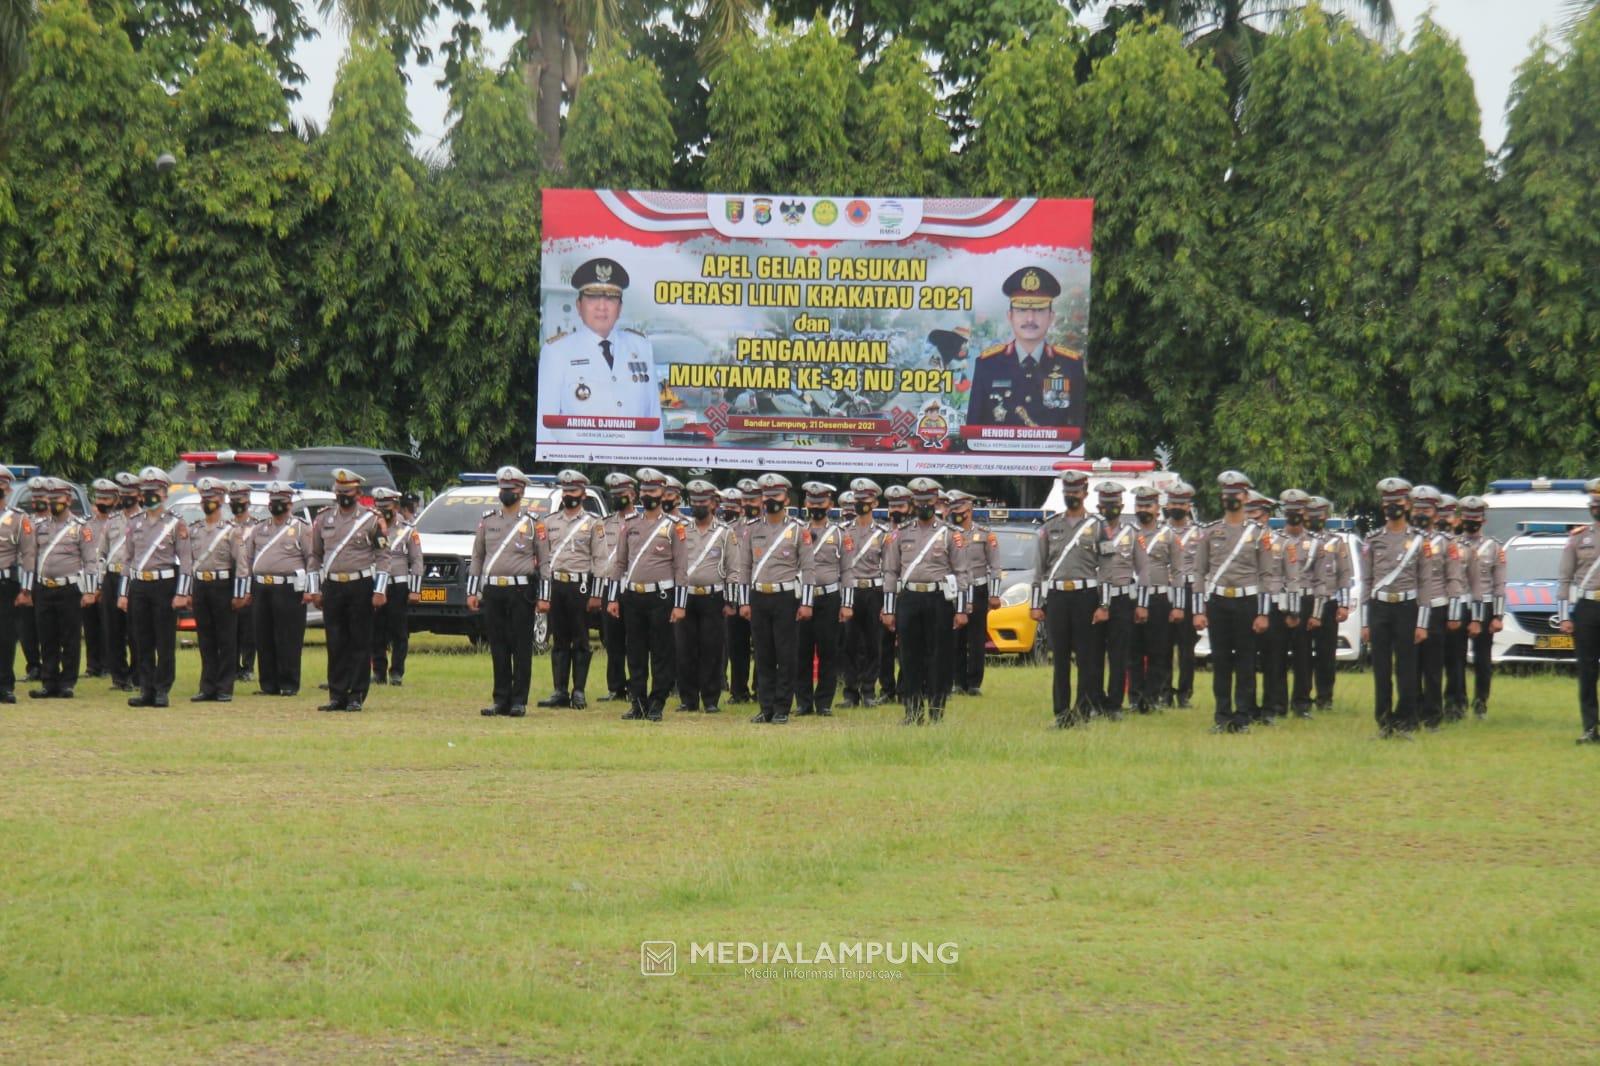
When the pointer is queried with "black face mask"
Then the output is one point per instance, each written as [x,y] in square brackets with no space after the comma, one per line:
[1073,502]
[700,511]
[1147,518]
[570,502]
[1110,513]
[925,512]
[899,518]
[1441,525]
[58,507]
[960,519]
[1294,518]
[817,513]
[347,500]
[863,507]
[238,506]
[1232,503]
[103,508]
[1595,511]
[128,501]
[730,514]
[1315,524]
[1470,526]
[387,513]
[669,506]
[279,507]
[1422,521]
[510,497]
[1394,511]
[751,510]
[210,506]
[1176,514]
[620,500]
[152,499]
[650,503]
[772,506]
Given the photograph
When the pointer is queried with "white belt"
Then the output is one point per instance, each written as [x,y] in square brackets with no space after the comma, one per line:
[703,590]
[153,575]
[781,586]
[1440,602]
[58,582]
[1073,586]
[505,582]
[1592,594]
[402,579]
[212,575]
[875,583]
[1121,590]
[656,586]
[823,590]
[922,586]
[353,575]
[1235,594]
[117,569]
[567,576]
[1394,597]
[276,579]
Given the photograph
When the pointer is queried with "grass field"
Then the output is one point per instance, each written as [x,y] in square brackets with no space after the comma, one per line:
[257,882]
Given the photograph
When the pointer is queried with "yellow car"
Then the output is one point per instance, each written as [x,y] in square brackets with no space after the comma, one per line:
[1012,631]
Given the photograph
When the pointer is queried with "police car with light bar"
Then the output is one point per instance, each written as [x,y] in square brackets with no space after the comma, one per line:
[1530,632]
[1514,501]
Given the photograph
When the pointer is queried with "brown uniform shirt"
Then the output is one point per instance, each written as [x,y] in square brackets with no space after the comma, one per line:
[157,541]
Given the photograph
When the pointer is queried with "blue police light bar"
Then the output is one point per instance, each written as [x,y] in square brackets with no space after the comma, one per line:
[1545,529]
[23,470]
[1007,514]
[493,479]
[1537,484]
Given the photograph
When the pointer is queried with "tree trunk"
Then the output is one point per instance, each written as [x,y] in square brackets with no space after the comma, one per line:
[547,101]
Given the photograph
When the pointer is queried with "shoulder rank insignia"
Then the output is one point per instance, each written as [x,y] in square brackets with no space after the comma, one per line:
[993,350]
[682,530]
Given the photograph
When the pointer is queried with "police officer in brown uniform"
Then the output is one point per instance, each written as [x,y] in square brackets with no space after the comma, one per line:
[897,505]
[1292,608]
[282,582]
[16,579]
[402,561]
[221,583]
[114,621]
[1440,592]
[623,491]
[1272,645]
[982,557]
[574,543]
[739,660]
[347,540]
[1334,579]
[27,625]
[1484,562]
[156,581]
[925,595]
[1233,565]
[699,598]
[822,558]
[1580,610]
[1187,533]
[1448,522]
[243,521]
[1392,621]
[1119,601]
[1155,564]
[862,595]
[102,507]
[1066,597]
[503,581]
[767,576]
[64,583]
[643,579]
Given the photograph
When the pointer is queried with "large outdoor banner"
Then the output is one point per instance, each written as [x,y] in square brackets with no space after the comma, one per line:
[813,332]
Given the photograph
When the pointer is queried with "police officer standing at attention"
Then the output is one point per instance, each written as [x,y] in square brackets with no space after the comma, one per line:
[574,547]
[1392,621]
[1272,645]
[65,571]
[282,581]
[27,623]
[862,595]
[767,573]
[1187,532]
[897,504]
[155,586]
[243,521]
[981,556]
[221,583]
[1334,577]
[16,578]
[1296,547]
[699,599]
[402,561]
[728,506]
[1440,593]
[822,556]
[1580,610]
[925,595]
[1155,563]
[95,651]
[1232,566]
[1455,636]
[1114,619]
[346,543]
[739,661]
[642,595]
[118,637]
[503,582]
[1066,583]
[623,490]
[1484,561]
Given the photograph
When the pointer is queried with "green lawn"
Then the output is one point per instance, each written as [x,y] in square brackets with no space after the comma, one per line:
[258,882]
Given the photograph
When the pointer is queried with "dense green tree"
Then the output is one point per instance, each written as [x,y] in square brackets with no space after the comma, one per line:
[904,147]
[619,132]
[1029,140]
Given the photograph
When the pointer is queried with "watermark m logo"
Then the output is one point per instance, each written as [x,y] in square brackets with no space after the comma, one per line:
[658,958]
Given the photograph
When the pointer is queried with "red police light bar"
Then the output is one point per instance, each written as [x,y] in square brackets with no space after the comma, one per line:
[1107,466]
[257,458]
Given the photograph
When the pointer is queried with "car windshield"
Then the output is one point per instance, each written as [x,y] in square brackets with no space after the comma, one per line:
[1018,548]
[1534,562]
[1501,522]
[458,512]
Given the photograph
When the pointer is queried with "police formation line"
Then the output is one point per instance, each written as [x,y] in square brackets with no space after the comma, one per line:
[894,611]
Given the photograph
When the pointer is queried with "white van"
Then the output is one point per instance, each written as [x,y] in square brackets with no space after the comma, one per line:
[1513,501]
[1132,474]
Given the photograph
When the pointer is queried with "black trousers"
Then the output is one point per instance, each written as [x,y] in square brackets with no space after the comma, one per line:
[216,627]
[59,615]
[1482,665]
[118,639]
[9,588]
[1325,654]
[614,638]
[569,635]
[153,622]
[280,625]
[1394,664]
[972,642]
[888,660]
[1455,670]
[923,620]
[94,639]
[1150,655]
[1301,638]
[863,643]
[28,634]
[738,656]
[1069,619]
[774,635]
[1233,659]
[247,640]
[1184,637]
[347,620]
[508,612]
[1586,641]
[1430,671]
[652,649]
[700,637]
[391,633]
[817,639]
[1272,663]
[1113,639]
